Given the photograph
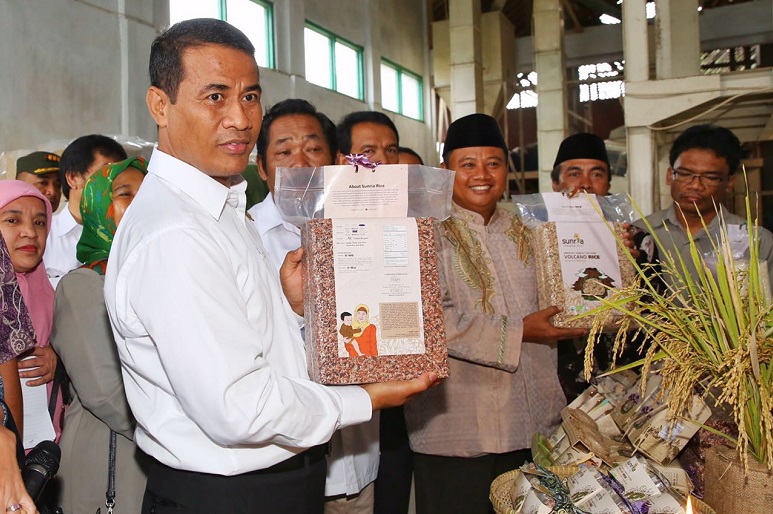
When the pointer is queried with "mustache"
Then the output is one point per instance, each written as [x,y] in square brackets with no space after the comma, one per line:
[241,136]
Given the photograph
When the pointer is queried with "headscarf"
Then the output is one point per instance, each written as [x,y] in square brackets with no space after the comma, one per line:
[16,332]
[97,213]
[361,325]
[35,287]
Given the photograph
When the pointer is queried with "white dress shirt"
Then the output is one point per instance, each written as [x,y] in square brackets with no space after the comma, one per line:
[278,236]
[213,361]
[59,256]
[354,451]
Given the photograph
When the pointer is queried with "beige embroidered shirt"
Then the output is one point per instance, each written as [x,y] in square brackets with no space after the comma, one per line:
[501,390]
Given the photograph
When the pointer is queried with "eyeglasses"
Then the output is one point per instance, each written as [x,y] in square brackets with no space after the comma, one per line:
[686,177]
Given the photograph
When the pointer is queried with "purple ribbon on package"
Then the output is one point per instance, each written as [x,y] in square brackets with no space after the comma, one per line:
[360,159]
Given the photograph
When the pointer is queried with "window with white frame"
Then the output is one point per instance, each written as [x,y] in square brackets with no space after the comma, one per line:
[333,62]
[253,17]
[401,91]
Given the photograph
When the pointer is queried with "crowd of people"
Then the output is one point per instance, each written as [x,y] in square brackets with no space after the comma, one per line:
[182,333]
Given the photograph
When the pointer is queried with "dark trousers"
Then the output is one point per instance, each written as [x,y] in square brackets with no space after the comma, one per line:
[460,484]
[296,488]
[392,492]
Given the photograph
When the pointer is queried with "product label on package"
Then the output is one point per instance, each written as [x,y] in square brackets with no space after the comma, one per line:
[582,486]
[378,193]
[521,487]
[533,505]
[587,250]
[636,482]
[378,287]
[601,503]
[665,504]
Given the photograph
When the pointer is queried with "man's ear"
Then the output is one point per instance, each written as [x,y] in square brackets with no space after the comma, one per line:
[443,165]
[731,183]
[341,159]
[74,180]
[158,103]
[556,187]
[262,169]
[669,176]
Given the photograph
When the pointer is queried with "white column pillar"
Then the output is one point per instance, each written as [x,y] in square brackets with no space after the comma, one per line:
[677,48]
[290,17]
[635,42]
[548,38]
[466,59]
[641,175]
[372,57]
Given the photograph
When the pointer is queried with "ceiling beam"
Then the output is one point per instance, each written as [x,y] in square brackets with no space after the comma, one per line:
[568,7]
[602,7]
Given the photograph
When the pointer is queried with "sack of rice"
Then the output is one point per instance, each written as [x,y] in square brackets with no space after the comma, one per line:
[372,303]
[578,255]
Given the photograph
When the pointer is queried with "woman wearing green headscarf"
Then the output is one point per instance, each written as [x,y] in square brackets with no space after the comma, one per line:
[84,341]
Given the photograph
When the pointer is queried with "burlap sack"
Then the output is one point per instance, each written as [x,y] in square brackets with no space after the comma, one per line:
[729,490]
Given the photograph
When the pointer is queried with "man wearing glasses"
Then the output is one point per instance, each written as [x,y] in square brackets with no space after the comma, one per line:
[704,160]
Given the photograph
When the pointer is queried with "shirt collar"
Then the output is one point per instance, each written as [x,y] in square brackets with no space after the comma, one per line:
[266,214]
[673,218]
[201,188]
[267,217]
[64,221]
[473,217]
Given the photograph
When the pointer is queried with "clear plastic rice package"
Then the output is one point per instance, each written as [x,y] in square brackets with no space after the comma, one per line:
[372,303]
[302,194]
[577,257]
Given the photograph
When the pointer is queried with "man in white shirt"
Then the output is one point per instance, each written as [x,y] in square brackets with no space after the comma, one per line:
[210,347]
[295,135]
[80,160]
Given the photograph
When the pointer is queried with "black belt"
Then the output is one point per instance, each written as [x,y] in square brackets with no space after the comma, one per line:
[298,461]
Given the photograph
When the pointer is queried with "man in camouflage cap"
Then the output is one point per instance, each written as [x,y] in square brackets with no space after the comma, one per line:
[41,169]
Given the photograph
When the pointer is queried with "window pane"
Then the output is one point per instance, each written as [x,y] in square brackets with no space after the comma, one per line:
[317,58]
[250,18]
[347,70]
[180,10]
[389,98]
[411,96]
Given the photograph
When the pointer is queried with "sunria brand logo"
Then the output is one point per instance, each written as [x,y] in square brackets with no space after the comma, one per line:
[574,240]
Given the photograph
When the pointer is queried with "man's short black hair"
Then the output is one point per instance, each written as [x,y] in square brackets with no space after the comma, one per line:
[344,128]
[294,106]
[79,156]
[166,52]
[719,140]
[411,151]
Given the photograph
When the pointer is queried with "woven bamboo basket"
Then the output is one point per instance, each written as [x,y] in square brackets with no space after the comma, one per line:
[500,491]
